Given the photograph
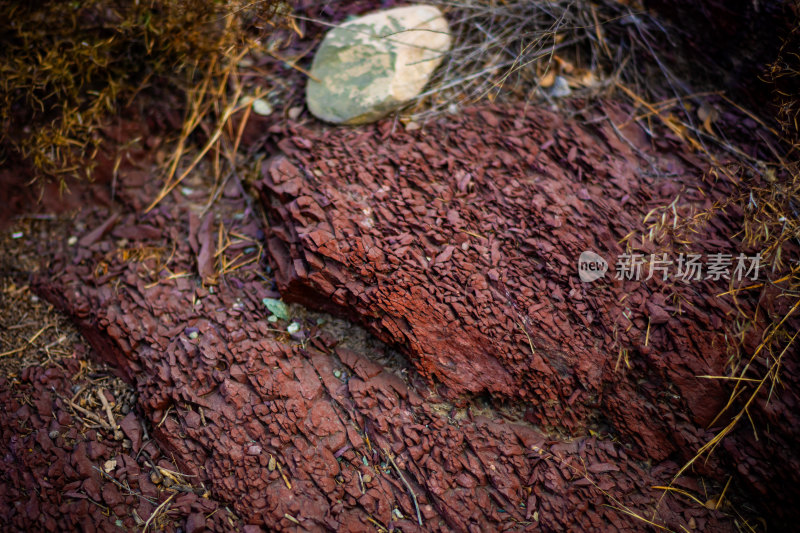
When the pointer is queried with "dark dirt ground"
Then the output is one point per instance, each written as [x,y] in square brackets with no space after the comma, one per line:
[408,393]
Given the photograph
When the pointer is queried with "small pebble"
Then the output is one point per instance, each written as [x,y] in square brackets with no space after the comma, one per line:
[294,112]
[262,107]
[560,88]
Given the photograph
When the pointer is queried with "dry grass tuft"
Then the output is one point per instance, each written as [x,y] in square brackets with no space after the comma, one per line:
[525,49]
[66,67]
[767,197]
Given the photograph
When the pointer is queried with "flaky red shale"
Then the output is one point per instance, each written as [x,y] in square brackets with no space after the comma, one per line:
[458,245]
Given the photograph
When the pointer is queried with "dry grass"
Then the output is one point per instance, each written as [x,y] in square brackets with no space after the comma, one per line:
[521,48]
[67,67]
[767,194]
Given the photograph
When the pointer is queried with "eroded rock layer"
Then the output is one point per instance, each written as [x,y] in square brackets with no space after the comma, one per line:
[459,244]
[303,434]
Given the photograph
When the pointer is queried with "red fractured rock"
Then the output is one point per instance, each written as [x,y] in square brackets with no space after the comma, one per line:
[459,245]
[46,481]
[130,425]
[269,427]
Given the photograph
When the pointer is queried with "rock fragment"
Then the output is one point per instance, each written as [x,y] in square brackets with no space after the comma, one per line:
[369,66]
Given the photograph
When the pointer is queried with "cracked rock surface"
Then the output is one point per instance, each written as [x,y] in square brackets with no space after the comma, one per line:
[456,245]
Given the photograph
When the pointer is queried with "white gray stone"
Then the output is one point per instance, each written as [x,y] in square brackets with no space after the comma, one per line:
[369,66]
[560,88]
